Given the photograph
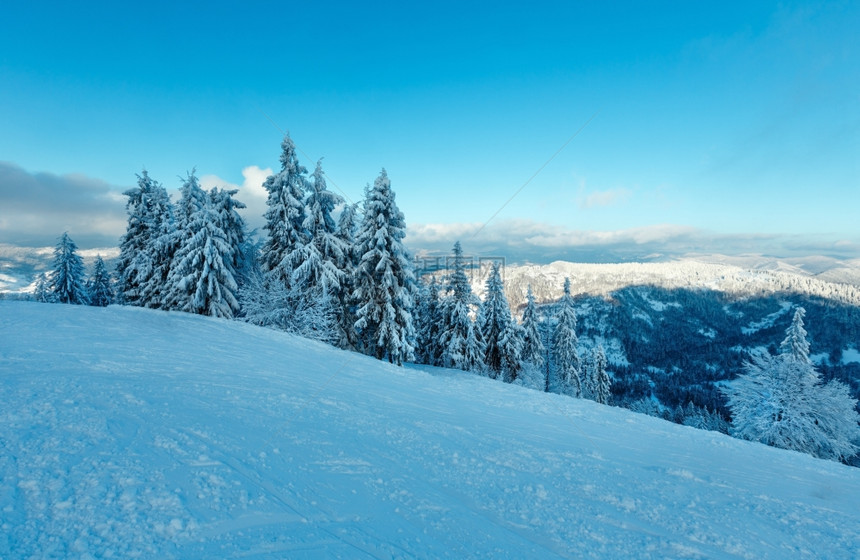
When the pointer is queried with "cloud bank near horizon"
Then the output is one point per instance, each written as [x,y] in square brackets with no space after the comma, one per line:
[36,208]
[526,241]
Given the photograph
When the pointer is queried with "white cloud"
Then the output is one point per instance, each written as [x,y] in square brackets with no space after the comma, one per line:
[528,241]
[611,197]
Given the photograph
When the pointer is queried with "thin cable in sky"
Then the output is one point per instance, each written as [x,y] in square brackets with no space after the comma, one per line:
[536,173]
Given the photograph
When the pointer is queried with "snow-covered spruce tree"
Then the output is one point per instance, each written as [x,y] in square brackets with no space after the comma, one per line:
[285,216]
[100,285]
[174,229]
[347,224]
[42,292]
[384,281]
[202,279]
[565,360]
[781,401]
[67,278]
[462,347]
[233,225]
[500,333]
[323,262]
[429,321]
[533,374]
[795,344]
[599,378]
[157,256]
[146,210]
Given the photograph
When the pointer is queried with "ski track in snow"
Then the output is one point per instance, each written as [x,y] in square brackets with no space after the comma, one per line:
[129,433]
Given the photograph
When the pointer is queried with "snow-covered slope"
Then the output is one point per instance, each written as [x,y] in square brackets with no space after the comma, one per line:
[135,433]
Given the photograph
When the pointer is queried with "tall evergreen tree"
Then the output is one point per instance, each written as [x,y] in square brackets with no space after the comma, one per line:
[533,348]
[462,347]
[233,225]
[501,336]
[156,258]
[795,343]
[533,374]
[384,281]
[202,279]
[100,285]
[146,210]
[347,225]
[285,216]
[566,366]
[67,280]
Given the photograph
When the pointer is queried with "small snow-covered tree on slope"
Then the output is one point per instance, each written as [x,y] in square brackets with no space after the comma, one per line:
[599,384]
[462,347]
[781,401]
[429,318]
[533,374]
[500,333]
[99,286]
[67,279]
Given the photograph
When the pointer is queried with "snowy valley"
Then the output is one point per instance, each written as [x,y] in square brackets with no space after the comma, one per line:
[138,433]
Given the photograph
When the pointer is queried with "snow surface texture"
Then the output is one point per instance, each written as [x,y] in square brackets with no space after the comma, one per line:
[135,433]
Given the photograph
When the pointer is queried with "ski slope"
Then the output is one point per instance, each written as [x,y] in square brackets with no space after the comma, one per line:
[129,433]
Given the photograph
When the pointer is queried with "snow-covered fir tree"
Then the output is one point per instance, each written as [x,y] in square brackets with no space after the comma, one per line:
[323,263]
[347,224]
[42,291]
[501,335]
[599,382]
[565,359]
[67,277]
[795,343]
[462,347]
[285,216]
[384,281]
[202,279]
[429,321]
[147,206]
[781,401]
[100,285]
[157,255]
[229,221]
[532,355]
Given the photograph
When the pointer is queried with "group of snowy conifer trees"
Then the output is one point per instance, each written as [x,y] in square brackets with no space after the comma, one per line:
[495,344]
[67,282]
[188,256]
[349,282]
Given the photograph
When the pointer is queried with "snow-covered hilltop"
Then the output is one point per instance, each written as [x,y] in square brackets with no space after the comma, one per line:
[129,432]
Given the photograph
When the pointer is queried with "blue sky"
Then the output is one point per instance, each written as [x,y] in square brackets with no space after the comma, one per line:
[718,128]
